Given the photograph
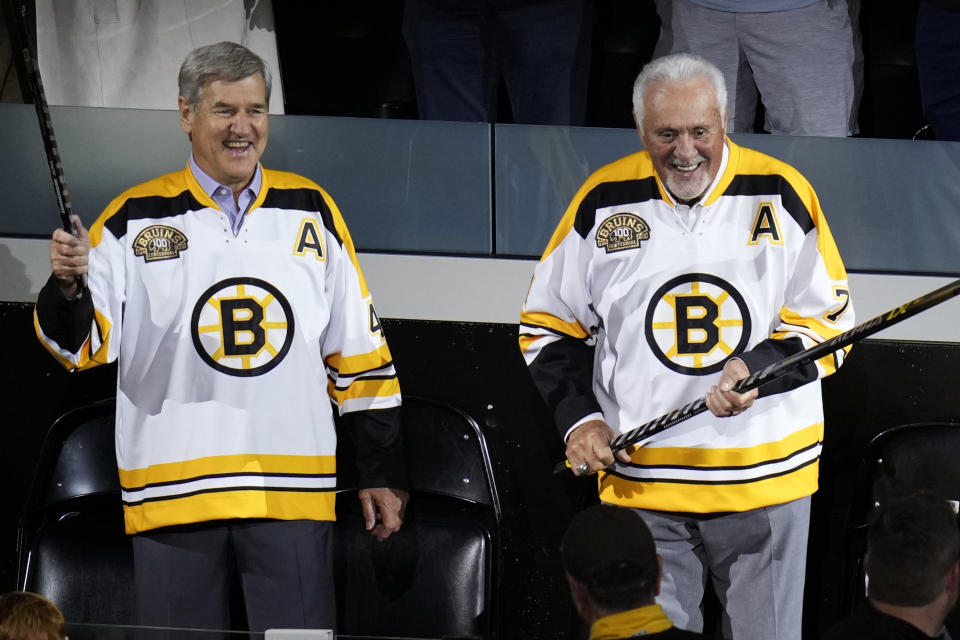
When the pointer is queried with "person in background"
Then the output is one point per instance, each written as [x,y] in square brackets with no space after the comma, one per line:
[460,49]
[912,573]
[938,65]
[28,616]
[803,57]
[614,572]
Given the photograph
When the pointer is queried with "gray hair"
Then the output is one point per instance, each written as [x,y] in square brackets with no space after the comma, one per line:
[677,67]
[227,61]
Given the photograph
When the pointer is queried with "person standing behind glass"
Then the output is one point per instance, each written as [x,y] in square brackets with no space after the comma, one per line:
[802,56]
[460,48]
[938,65]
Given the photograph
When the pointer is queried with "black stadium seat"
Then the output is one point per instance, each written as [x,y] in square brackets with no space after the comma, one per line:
[898,462]
[72,546]
[436,578]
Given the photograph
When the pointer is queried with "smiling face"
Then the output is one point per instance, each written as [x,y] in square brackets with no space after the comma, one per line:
[228,129]
[683,129]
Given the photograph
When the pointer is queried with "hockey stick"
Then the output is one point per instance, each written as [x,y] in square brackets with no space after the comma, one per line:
[22,42]
[780,368]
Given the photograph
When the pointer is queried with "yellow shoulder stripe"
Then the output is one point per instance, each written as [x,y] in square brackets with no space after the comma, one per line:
[550,321]
[350,365]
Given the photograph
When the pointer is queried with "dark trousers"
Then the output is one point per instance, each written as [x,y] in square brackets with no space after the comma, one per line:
[183,574]
[460,48]
[938,65]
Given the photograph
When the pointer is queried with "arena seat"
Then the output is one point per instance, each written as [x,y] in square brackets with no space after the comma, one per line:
[436,578]
[898,462]
[72,546]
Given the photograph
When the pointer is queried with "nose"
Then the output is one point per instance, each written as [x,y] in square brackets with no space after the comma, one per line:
[240,123]
[685,148]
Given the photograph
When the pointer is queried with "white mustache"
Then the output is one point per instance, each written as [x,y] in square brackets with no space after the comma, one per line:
[687,164]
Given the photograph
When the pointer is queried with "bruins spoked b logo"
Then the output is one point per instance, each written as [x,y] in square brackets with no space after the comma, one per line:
[695,322]
[242,326]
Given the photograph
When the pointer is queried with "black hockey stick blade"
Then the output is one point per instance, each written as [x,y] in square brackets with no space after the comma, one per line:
[780,368]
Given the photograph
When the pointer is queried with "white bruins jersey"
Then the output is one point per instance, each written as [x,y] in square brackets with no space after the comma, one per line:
[636,305]
[232,349]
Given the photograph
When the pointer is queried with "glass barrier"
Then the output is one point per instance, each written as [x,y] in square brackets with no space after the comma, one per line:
[80,631]
[891,204]
[84,631]
[402,185]
[410,186]
[538,171]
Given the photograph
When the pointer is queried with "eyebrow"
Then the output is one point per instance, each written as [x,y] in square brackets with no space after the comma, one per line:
[693,126]
[220,104]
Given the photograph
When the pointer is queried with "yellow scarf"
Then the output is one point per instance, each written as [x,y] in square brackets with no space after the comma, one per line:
[635,622]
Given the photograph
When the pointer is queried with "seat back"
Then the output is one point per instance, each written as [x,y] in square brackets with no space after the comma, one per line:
[912,458]
[436,577]
[72,545]
[899,462]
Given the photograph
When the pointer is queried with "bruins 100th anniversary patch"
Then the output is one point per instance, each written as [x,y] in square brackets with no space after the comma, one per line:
[622,231]
[159,242]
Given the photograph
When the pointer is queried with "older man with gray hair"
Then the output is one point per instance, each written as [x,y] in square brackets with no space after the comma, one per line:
[674,273]
[232,298]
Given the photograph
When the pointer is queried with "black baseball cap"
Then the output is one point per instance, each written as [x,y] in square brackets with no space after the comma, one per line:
[606,545]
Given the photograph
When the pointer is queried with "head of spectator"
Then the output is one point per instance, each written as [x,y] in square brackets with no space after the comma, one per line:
[911,561]
[224,93]
[679,106]
[28,616]
[611,562]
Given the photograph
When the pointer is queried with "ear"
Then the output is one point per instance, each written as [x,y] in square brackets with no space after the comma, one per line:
[953,579]
[187,114]
[577,592]
[581,599]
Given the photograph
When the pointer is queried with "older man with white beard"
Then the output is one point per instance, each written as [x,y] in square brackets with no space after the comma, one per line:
[675,272]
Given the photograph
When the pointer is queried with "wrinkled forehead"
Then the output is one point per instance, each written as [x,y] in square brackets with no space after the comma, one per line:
[249,90]
[682,103]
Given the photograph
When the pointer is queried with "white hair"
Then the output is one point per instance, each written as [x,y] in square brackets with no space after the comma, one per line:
[677,67]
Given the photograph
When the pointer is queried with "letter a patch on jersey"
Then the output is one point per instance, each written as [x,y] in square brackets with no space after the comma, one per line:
[766,225]
[309,239]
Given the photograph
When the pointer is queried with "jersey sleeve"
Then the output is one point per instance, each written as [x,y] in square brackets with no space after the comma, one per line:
[817,304]
[362,381]
[558,326]
[85,332]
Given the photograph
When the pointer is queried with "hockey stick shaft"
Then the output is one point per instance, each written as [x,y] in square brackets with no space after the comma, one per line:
[782,367]
[43,115]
